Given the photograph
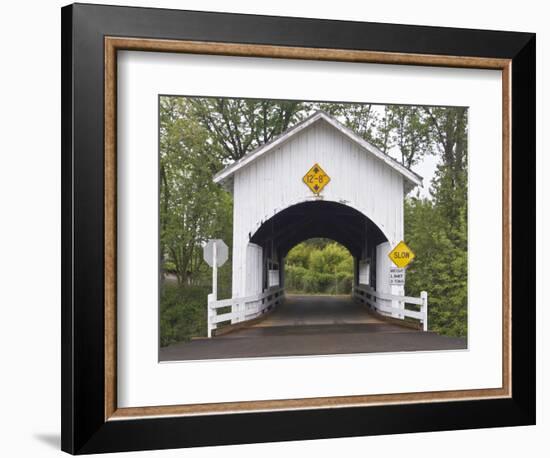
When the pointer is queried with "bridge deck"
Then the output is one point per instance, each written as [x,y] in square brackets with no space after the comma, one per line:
[312,325]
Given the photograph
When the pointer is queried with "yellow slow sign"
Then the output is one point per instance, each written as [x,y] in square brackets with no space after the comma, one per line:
[401,255]
[316,179]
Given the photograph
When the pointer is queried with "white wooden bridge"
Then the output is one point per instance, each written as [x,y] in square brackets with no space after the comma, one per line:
[358,202]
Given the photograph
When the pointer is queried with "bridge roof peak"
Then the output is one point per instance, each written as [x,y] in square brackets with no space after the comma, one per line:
[318,116]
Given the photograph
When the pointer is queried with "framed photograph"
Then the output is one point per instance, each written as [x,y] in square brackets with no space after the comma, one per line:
[284,228]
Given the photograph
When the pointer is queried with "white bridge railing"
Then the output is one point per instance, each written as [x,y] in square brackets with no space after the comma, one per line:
[242,308]
[369,296]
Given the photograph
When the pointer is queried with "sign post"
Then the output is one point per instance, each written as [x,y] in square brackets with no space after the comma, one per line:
[215,272]
[215,253]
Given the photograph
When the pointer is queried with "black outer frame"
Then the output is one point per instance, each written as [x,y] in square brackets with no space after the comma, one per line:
[84,429]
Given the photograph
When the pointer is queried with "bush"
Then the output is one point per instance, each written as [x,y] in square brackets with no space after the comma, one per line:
[182,313]
[169,266]
[440,266]
[344,283]
[319,266]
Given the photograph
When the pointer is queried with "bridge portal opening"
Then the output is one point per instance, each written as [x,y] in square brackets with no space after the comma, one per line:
[318,266]
[322,220]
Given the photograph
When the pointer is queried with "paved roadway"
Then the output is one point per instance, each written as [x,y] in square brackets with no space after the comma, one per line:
[312,325]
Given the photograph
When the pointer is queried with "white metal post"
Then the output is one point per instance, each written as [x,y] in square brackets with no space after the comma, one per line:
[424,297]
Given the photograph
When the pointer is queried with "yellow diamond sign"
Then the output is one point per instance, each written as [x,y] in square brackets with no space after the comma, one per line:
[401,255]
[316,179]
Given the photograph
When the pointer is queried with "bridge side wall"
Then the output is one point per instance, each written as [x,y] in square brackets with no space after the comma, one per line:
[274,182]
[254,269]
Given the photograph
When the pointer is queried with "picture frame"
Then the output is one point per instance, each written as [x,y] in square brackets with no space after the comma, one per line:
[91,37]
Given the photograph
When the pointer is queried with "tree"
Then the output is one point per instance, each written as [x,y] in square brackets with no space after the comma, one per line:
[361,118]
[440,266]
[192,208]
[240,125]
[319,266]
[409,132]
[437,228]
[383,136]
[450,186]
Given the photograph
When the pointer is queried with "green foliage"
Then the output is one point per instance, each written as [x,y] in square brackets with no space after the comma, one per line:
[182,313]
[363,119]
[193,208]
[437,230]
[440,266]
[241,125]
[408,129]
[319,266]
[169,267]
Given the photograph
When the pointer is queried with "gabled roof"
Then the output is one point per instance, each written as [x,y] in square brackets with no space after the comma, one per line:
[227,173]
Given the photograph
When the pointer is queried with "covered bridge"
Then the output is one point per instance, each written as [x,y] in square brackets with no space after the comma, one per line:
[317,179]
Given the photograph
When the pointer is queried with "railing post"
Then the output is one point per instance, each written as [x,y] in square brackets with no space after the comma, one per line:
[424,309]
[239,310]
[234,311]
[210,313]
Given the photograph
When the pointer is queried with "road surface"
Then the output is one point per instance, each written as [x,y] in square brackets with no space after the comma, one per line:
[312,325]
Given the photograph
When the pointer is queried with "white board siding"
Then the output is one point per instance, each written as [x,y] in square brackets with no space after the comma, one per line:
[273,278]
[273,182]
[412,178]
[254,270]
[364,273]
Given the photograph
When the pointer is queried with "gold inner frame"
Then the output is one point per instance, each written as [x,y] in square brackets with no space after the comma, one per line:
[114,44]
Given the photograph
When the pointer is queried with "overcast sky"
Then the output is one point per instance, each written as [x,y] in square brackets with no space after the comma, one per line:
[426,169]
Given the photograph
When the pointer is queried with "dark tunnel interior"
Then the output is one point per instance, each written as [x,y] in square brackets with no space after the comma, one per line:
[331,220]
